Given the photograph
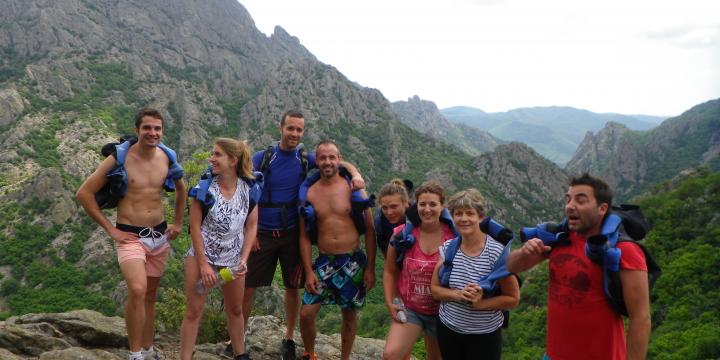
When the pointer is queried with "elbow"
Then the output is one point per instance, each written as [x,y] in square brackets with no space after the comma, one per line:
[514,302]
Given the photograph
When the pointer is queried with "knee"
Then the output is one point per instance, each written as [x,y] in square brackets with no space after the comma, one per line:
[151,295]
[306,315]
[137,291]
[235,310]
[391,353]
[193,312]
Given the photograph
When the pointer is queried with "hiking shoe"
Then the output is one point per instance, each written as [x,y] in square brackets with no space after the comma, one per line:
[308,356]
[229,350]
[244,356]
[154,355]
[287,349]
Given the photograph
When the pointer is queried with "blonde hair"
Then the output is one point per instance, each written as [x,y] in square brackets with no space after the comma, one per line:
[394,187]
[468,199]
[237,149]
[432,187]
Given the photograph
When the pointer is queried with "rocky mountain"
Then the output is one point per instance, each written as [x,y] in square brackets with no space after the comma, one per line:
[74,72]
[516,171]
[633,161]
[89,335]
[424,116]
[555,132]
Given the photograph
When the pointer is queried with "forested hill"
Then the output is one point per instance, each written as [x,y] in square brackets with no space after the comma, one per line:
[635,161]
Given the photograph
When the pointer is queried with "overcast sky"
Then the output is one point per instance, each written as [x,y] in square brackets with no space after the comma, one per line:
[654,57]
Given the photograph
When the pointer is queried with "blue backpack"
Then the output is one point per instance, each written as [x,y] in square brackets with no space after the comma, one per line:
[201,193]
[404,240]
[115,189]
[358,205]
[622,223]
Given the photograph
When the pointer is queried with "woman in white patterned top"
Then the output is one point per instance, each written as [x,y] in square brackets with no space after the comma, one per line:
[222,238]
[469,326]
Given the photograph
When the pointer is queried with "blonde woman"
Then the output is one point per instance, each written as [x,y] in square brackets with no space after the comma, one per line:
[222,236]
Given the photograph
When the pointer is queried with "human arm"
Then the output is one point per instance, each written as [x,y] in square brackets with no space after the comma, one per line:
[207,274]
[180,199]
[533,252]
[311,281]
[636,294]
[509,296]
[370,248]
[390,275]
[86,198]
[250,235]
[357,180]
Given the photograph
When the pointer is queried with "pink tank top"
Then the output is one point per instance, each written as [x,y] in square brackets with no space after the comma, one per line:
[414,281]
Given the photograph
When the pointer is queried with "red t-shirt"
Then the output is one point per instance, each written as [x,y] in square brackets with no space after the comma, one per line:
[414,281]
[580,322]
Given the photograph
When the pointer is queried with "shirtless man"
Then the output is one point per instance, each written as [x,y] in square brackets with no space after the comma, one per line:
[141,232]
[338,275]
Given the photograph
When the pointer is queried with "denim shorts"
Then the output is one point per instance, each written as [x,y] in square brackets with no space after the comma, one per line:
[428,323]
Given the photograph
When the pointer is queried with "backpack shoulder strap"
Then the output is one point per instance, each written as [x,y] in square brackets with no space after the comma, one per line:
[302,154]
[449,256]
[267,156]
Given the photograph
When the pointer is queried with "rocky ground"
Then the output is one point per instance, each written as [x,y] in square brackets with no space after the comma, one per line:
[88,335]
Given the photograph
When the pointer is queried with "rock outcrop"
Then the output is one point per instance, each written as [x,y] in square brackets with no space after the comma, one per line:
[88,335]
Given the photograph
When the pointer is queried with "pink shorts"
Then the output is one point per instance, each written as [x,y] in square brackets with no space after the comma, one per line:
[154,259]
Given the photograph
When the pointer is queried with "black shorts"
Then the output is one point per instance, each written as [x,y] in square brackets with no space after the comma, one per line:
[283,245]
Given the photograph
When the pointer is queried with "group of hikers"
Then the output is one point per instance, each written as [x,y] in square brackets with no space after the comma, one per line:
[449,274]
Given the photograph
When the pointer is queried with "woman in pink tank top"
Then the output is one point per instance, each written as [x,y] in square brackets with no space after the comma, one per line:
[409,279]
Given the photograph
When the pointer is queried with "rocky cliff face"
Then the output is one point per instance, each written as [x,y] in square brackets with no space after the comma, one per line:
[632,162]
[424,116]
[536,185]
[89,335]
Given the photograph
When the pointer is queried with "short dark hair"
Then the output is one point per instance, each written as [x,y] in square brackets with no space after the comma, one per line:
[327,142]
[147,112]
[290,113]
[603,193]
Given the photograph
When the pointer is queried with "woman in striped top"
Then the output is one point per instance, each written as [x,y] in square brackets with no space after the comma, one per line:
[469,326]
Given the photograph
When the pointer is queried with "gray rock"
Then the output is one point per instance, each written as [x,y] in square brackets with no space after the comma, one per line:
[76,353]
[20,339]
[11,105]
[84,326]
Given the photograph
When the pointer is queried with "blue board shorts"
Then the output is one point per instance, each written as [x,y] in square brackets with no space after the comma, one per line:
[340,280]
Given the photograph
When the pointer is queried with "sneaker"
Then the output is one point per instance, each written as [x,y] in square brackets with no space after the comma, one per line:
[244,356]
[229,350]
[153,355]
[308,356]
[287,349]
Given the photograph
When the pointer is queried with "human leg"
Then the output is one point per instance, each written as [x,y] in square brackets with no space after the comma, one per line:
[193,309]
[133,271]
[233,296]
[289,255]
[450,342]
[308,313]
[154,268]
[347,332]
[248,298]
[400,340]
[432,348]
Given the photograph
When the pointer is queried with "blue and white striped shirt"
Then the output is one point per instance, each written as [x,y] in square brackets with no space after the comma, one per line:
[459,316]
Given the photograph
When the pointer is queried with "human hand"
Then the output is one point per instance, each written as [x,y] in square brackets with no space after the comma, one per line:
[312,283]
[172,231]
[369,279]
[357,183]
[122,237]
[255,245]
[534,247]
[207,274]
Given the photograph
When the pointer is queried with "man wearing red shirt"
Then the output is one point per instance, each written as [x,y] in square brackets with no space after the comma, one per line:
[580,321]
